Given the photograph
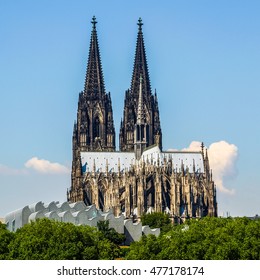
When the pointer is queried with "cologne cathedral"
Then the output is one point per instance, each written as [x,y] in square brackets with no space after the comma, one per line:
[140,177]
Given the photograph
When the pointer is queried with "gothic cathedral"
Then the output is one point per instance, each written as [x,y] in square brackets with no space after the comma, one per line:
[140,177]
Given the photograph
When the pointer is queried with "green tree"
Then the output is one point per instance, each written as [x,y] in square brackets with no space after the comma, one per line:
[148,248]
[110,233]
[204,239]
[51,240]
[5,238]
[157,220]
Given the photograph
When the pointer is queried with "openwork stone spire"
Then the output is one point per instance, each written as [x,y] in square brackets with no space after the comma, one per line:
[94,81]
[140,65]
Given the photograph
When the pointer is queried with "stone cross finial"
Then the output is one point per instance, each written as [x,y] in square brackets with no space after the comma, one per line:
[94,22]
[140,23]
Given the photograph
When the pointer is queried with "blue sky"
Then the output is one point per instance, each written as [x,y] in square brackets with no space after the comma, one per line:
[204,61]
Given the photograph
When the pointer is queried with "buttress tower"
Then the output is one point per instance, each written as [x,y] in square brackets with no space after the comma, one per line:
[94,129]
[150,102]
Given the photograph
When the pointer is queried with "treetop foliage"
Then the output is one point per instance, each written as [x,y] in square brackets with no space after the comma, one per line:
[204,239]
[51,240]
[110,233]
[157,220]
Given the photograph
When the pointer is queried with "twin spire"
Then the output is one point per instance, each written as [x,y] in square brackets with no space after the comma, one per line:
[140,104]
[94,80]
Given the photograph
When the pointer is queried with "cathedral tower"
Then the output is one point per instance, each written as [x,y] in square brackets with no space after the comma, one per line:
[95,126]
[150,103]
[94,129]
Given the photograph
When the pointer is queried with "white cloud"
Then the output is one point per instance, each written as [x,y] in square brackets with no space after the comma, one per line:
[172,150]
[222,159]
[194,146]
[6,170]
[46,167]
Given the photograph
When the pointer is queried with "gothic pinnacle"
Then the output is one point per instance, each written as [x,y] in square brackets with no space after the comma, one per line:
[202,149]
[206,154]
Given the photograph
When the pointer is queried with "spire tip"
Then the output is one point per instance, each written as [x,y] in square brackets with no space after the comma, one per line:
[140,23]
[94,22]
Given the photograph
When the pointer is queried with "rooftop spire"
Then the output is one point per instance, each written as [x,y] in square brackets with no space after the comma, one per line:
[140,65]
[202,149]
[140,110]
[94,81]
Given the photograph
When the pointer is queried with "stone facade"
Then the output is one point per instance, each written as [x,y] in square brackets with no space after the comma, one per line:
[140,178]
